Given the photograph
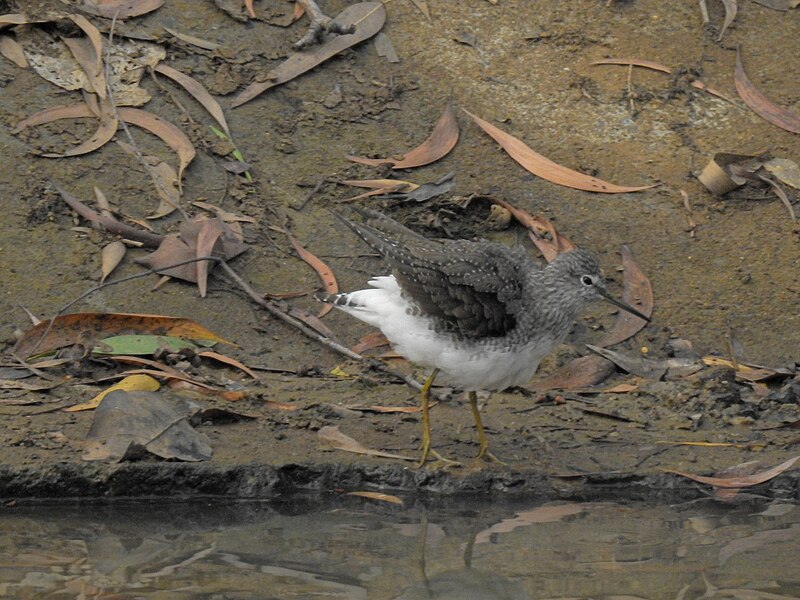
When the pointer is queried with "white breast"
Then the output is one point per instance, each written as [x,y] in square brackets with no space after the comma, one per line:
[463,364]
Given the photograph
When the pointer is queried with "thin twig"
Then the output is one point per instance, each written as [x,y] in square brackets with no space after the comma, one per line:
[275,309]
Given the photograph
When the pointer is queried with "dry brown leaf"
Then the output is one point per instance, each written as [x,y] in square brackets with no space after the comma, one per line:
[368,17]
[731,9]
[335,438]
[636,62]
[48,115]
[377,496]
[637,292]
[324,271]
[119,9]
[15,19]
[248,4]
[196,89]
[539,229]
[165,180]
[740,482]
[650,368]
[228,361]
[395,185]
[372,340]
[96,39]
[66,329]
[112,255]
[194,41]
[784,169]
[311,320]
[547,169]
[746,372]
[174,249]
[582,372]
[13,51]
[760,104]
[127,359]
[210,232]
[441,140]
[166,131]
[82,51]
[104,133]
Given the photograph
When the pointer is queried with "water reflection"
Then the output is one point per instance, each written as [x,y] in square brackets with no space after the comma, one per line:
[356,548]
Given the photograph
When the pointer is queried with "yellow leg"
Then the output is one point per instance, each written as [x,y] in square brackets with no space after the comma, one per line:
[424,398]
[483,452]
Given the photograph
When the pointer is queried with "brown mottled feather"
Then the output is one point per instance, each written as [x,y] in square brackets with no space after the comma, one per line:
[473,287]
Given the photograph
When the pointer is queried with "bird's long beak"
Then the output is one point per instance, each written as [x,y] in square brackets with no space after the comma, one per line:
[609,298]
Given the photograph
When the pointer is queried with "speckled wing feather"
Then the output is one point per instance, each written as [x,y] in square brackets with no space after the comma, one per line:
[474,287]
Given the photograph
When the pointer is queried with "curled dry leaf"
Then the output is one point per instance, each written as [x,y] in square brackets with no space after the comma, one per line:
[368,17]
[228,361]
[169,134]
[105,131]
[725,172]
[324,271]
[48,115]
[740,482]
[335,438]
[760,104]
[196,89]
[637,292]
[547,169]
[441,140]
[112,255]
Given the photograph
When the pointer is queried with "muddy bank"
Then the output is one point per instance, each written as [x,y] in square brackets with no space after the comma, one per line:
[723,270]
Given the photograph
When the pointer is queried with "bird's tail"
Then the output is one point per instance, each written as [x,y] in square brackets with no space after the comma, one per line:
[340,299]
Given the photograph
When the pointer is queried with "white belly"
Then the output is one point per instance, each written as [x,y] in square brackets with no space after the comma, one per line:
[463,364]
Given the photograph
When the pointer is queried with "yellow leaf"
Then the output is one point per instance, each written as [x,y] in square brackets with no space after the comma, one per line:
[339,372]
[133,383]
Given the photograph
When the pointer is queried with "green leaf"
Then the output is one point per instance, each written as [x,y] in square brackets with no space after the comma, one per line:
[141,344]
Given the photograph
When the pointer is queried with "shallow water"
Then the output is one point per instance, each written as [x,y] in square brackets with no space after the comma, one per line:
[351,547]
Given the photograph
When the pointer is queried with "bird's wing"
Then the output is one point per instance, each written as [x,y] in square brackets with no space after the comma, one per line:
[475,287]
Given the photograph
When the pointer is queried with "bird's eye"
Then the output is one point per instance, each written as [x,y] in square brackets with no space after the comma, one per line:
[587,280]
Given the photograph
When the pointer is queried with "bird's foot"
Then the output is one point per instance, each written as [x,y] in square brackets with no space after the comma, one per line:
[485,456]
[440,461]
[320,25]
